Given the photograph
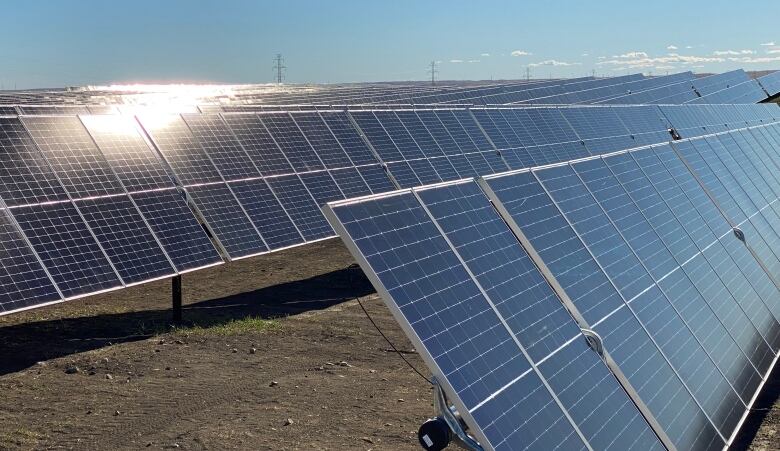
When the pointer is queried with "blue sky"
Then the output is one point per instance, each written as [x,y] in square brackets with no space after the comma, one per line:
[56,43]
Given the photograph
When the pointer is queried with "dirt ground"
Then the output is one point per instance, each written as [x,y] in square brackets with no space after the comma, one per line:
[276,354]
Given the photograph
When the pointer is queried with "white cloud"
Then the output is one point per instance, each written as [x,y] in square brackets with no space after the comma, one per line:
[553,63]
[602,57]
[484,54]
[584,54]
[665,67]
[671,47]
[456,61]
[755,60]
[520,53]
[773,51]
[670,58]
[632,55]
[688,46]
[472,61]
[733,52]
[769,44]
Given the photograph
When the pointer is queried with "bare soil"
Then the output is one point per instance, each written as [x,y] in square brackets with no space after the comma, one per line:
[276,354]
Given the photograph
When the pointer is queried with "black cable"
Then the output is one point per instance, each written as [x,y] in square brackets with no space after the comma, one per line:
[400,354]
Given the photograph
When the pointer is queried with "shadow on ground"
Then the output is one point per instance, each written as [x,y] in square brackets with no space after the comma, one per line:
[24,344]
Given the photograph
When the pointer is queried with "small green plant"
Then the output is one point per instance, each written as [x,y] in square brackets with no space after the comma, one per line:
[249,324]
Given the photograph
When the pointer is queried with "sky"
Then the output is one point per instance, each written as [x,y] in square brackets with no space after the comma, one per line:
[55,43]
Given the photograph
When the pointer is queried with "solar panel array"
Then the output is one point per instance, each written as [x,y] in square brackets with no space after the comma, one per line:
[105,201]
[685,87]
[668,252]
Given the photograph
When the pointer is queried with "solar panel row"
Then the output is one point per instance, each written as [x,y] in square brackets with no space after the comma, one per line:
[117,196]
[492,280]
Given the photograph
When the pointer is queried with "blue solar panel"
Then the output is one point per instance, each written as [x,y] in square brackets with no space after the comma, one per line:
[67,248]
[227,220]
[127,240]
[459,333]
[266,213]
[176,228]
[301,206]
[532,211]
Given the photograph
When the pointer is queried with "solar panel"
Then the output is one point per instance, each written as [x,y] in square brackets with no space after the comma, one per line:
[126,239]
[349,138]
[526,204]
[472,128]
[424,171]
[321,186]
[301,206]
[292,142]
[135,164]
[267,213]
[227,220]
[67,248]
[180,149]
[373,131]
[258,144]
[431,265]
[23,281]
[73,155]
[376,178]
[399,135]
[420,133]
[536,317]
[25,175]
[178,231]
[443,119]
[350,182]
[403,174]
[221,146]
[444,168]
[417,300]
[322,140]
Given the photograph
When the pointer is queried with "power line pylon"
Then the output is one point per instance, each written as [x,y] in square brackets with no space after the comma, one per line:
[279,67]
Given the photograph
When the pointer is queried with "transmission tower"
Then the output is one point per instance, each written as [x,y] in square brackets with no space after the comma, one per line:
[279,67]
[433,71]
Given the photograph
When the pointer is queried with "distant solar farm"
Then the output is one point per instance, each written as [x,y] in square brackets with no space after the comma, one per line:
[587,263]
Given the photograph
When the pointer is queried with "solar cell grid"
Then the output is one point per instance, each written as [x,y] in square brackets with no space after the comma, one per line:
[221,146]
[717,322]
[645,252]
[180,149]
[322,140]
[228,221]
[126,238]
[266,213]
[471,127]
[420,297]
[67,248]
[292,142]
[527,205]
[181,236]
[258,144]
[403,174]
[301,206]
[445,143]
[132,160]
[397,132]
[349,138]
[376,178]
[25,175]
[420,132]
[350,182]
[73,155]
[23,281]
[455,129]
